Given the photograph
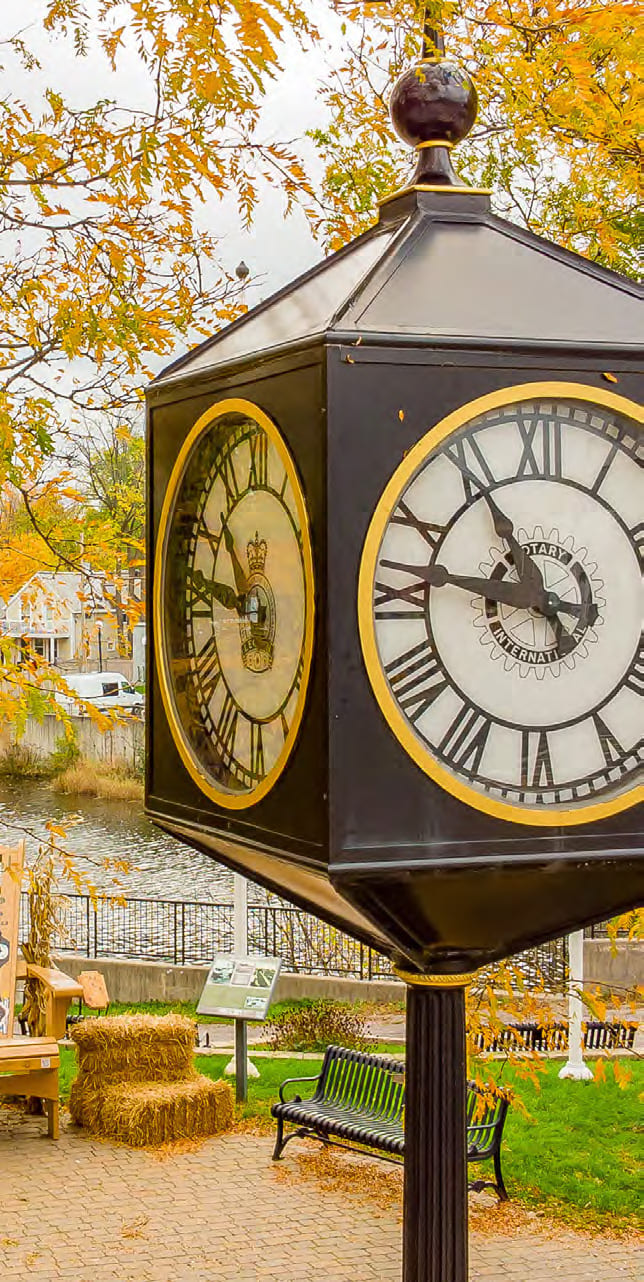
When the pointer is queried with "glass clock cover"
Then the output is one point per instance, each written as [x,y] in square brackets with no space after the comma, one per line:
[234,603]
[501,603]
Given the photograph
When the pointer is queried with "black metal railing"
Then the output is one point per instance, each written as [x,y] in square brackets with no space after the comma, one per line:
[190,933]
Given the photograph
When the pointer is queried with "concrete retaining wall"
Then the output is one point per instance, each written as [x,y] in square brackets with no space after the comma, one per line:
[136,981]
[140,981]
[617,966]
[122,743]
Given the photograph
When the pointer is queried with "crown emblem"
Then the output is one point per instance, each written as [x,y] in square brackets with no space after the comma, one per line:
[256,552]
[257,627]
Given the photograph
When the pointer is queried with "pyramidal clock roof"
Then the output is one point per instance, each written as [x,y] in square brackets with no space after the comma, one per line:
[437,269]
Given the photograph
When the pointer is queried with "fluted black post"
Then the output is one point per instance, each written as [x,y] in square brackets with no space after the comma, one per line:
[435,1206]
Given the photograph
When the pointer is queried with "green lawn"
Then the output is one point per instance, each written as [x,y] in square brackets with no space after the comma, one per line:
[572,1152]
[579,1150]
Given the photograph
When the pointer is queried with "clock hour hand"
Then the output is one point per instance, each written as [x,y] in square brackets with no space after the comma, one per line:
[241,582]
[529,572]
[527,569]
[221,592]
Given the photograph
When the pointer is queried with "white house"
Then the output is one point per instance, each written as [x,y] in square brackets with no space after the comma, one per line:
[68,618]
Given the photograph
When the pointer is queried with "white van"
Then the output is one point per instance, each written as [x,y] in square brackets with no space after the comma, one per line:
[105,690]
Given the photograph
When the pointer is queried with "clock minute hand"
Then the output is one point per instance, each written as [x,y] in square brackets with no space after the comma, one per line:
[241,582]
[519,594]
[524,594]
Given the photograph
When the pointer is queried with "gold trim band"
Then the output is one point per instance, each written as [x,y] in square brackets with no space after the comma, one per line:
[434,142]
[433,981]
[444,187]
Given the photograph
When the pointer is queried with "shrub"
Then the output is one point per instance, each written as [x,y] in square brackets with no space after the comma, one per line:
[65,755]
[20,762]
[314,1025]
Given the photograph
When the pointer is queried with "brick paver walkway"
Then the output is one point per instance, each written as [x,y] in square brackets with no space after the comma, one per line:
[82,1211]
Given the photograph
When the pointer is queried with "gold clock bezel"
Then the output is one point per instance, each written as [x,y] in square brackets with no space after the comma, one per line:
[381,517]
[229,800]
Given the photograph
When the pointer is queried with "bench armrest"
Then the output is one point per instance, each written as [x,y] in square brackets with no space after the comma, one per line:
[295,1081]
[59,991]
[55,981]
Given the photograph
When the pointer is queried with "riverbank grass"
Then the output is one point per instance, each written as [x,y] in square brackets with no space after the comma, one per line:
[66,771]
[570,1149]
[97,779]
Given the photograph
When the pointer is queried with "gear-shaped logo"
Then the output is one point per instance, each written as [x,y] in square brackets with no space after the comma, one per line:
[527,639]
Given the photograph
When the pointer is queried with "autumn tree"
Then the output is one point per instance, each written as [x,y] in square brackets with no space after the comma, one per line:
[108,260]
[558,136]
[23,549]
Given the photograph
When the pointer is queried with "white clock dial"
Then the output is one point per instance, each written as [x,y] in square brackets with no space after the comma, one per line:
[502,605]
[235,603]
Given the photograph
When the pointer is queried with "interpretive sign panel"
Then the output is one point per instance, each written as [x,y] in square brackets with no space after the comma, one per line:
[239,986]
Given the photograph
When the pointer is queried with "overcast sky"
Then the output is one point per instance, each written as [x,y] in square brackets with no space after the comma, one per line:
[275,249]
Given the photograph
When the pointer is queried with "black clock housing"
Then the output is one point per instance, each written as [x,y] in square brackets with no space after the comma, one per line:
[440,303]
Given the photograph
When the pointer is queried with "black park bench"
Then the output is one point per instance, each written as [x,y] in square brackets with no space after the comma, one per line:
[358,1099]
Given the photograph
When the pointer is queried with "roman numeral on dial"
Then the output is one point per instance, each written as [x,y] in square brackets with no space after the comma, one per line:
[635,677]
[637,535]
[413,594]
[209,536]
[208,671]
[256,750]
[464,742]
[541,448]
[226,726]
[428,530]
[612,749]
[536,762]
[258,474]
[473,466]
[416,679]
[199,599]
[229,479]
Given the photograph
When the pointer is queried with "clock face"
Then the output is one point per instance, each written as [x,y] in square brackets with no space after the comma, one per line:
[501,604]
[234,603]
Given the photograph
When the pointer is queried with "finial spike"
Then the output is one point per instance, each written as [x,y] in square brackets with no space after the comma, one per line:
[433,39]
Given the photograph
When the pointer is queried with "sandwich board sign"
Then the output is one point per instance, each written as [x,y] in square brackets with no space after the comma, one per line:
[239,986]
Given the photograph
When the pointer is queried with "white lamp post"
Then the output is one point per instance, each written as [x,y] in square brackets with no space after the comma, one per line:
[575,1067]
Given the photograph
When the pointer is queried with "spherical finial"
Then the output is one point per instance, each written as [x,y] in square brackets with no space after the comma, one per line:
[433,102]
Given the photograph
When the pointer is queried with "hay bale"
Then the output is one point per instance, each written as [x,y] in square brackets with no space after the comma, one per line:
[150,1114]
[134,1048]
[137,1082]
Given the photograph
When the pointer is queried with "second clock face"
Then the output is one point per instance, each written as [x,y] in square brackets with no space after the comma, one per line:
[234,603]
[501,604]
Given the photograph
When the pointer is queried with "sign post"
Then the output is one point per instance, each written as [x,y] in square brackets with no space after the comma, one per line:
[241,987]
[240,934]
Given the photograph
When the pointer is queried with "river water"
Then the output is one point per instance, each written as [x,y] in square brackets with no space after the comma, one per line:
[99,831]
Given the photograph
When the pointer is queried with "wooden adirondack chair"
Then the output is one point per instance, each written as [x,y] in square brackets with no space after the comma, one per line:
[28,1065]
